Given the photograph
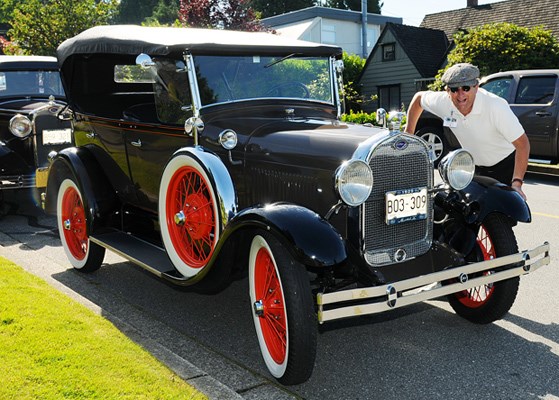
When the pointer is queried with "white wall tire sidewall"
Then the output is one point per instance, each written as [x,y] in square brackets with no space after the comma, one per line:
[173,165]
[277,370]
[65,185]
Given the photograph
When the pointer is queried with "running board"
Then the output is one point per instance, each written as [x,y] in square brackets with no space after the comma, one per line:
[148,256]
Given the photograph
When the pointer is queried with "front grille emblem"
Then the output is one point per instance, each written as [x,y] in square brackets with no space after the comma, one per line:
[400,255]
[401,144]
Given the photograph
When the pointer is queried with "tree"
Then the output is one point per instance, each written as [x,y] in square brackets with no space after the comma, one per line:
[373,6]
[151,11]
[7,8]
[39,26]
[269,8]
[503,46]
[224,14]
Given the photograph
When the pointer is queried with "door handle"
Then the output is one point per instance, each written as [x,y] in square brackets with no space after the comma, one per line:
[137,144]
[543,113]
[90,135]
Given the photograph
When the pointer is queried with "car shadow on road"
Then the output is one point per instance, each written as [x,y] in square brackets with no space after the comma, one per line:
[423,351]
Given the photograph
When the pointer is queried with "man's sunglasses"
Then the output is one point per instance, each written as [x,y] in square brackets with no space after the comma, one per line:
[464,89]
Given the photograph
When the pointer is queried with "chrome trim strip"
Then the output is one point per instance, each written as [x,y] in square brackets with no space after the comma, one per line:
[410,291]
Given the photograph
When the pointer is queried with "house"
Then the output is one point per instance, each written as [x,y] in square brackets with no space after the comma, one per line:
[406,57]
[402,61]
[331,26]
[527,13]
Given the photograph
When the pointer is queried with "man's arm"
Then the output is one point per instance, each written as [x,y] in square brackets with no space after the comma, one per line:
[414,112]
[522,146]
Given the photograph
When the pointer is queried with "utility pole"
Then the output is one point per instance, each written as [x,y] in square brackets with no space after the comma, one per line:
[364,27]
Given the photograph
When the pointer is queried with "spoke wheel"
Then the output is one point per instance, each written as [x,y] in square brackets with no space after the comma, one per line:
[72,227]
[487,303]
[283,310]
[188,215]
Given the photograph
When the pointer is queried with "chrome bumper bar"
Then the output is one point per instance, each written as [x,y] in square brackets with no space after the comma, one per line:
[418,289]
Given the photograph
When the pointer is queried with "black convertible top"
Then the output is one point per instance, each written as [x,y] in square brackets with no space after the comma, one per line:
[134,39]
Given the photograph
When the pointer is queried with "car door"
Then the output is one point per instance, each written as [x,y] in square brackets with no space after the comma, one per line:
[536,105]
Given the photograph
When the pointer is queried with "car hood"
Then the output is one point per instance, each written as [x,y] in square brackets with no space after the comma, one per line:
[24,106]
[312,143]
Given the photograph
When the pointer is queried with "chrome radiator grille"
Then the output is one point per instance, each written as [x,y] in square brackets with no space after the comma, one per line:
[396,169]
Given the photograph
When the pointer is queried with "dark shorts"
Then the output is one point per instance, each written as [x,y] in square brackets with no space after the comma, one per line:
[502,171]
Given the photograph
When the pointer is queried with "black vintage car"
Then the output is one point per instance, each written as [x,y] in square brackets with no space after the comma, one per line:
[203,154]
[31,120]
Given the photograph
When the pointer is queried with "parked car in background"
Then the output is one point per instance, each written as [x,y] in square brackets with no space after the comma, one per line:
[31,101]
[533,96]
[201,155]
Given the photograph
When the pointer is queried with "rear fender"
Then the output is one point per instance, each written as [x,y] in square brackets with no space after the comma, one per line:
[99,198]
[307,236]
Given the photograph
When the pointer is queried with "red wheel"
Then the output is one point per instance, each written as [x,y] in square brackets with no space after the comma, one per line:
[272,320]
[487,303]
[478,296]
[72,227]
[188,215]
[283,310]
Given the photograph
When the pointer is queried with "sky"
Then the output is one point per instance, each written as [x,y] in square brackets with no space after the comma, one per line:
[413,11]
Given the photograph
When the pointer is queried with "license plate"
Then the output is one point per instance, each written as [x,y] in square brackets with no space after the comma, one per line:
[57,136]
[406,205]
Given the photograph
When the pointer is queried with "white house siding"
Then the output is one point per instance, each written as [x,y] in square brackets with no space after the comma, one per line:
[346,34]
[401,72]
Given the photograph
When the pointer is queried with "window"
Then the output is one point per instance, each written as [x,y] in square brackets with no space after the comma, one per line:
[388,52]
[389,97]
[500,87]
[536,90]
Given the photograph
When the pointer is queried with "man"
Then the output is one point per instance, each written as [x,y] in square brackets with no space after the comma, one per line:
[482,122]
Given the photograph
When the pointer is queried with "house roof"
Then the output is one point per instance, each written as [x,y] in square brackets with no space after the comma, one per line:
[424,47]
[527,13]
[326,12]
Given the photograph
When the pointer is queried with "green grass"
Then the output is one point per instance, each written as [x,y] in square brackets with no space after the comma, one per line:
[52,347]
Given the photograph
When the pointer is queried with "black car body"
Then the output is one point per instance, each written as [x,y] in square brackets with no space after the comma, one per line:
[31,100]
[204,153]
[533,96]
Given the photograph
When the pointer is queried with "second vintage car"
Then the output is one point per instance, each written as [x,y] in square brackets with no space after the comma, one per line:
[31,122]
[204,153]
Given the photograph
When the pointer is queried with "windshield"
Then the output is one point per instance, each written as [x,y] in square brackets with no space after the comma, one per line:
[225,78]
[26,83]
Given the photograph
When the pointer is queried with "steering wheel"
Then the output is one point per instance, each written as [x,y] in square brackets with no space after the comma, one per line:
[281,88]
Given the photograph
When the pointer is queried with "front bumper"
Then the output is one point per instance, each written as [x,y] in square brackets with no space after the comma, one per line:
[372,300]
[39,179]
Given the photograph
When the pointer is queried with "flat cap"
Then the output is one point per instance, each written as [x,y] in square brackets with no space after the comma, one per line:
[463,74]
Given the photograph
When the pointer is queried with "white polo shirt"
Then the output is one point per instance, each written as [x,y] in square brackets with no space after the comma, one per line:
[487,131]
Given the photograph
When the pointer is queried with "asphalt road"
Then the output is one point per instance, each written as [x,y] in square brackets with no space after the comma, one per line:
[423,351]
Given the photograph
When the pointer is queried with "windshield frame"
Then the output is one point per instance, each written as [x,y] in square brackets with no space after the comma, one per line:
[196,75]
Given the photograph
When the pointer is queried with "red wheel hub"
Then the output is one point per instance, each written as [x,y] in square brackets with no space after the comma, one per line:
[73,222]
[478,296]
[273,323]
[190,217]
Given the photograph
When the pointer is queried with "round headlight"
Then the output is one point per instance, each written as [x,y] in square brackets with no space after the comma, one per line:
[457,169]
[20,126]
[354,182]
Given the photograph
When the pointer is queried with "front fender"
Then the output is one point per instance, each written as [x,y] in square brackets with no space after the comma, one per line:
[79,164]
[308,236]
[494,196]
